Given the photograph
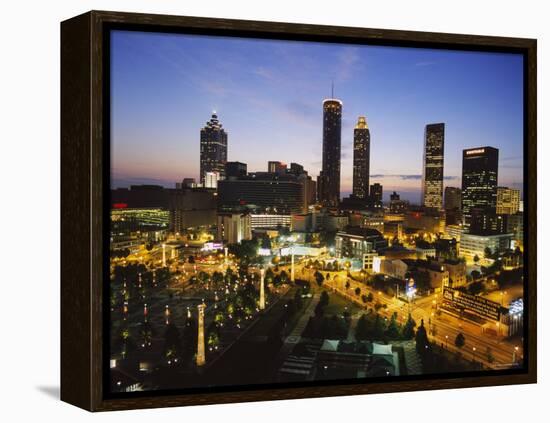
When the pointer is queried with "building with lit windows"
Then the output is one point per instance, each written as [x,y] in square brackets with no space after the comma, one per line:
[234,227]
[192,208]
[361,159]
[479,181]
[213,149]
[356,242]
[211,180]
[432,176]
[507,200]
[268,193]
[475,245]
[259,221]
[328,184]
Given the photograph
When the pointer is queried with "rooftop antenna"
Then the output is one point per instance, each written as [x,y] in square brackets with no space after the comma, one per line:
[332,89]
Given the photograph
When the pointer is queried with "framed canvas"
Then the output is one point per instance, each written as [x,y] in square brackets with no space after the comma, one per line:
[255,210]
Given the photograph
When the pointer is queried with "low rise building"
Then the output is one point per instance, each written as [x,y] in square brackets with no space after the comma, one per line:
[234,227]
[355,242]
[472,245]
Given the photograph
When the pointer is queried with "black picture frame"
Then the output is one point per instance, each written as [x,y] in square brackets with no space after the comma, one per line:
[85,188]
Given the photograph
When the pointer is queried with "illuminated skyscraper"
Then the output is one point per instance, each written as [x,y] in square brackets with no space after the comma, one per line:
[213,148]
[329,179]
[432,175]
[479,181]
[361,159]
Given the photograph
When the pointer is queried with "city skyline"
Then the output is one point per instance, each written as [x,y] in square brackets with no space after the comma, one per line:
[196,75]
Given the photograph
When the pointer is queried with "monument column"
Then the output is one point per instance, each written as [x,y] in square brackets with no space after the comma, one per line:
[262,289]
[201,359]
[292,267]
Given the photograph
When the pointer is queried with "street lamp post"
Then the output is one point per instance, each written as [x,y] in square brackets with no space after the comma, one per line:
[474,354]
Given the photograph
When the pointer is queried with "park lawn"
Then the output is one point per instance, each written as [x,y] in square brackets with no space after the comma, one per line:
[337,305]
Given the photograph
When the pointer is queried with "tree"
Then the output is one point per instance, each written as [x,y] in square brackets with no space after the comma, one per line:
[490,356]
[476,258]
[284,277]
[392,331]
[460,341]
[421,339]
[319,278]
[269,275]
[324,299]
[487,252]
[145,334]
[476,274]
[189,338]
[298,299]
[379,329]
[408,329]
[172,343]
[347,284]
[361,330]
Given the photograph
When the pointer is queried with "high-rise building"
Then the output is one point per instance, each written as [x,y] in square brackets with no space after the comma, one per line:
[507,200]
[213,148]
[453,198]
[329,178]
[479,181]
[396,204]
[296,169]
[276,167]
[361,159]
[432,175]
[235,169]
[376,191]
[452,204]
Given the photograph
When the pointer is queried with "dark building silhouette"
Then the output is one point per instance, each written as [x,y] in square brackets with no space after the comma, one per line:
[266,192]
[213,153]
[296,169]
[191,208]
[140,196]
[432,175]
[361,159]
[235,169]
[479,181]
[485,221]
[453,198]
[329,178]
[396,204]
[376,191]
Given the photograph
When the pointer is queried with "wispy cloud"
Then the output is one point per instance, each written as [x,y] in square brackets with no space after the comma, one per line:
[348,61]
[424,64]
[409,177]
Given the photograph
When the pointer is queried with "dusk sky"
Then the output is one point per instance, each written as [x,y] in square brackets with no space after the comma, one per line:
[268,96]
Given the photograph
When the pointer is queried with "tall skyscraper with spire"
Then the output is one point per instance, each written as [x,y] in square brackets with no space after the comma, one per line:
[213,153]
[361,159]
[329,178]
[432,174]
